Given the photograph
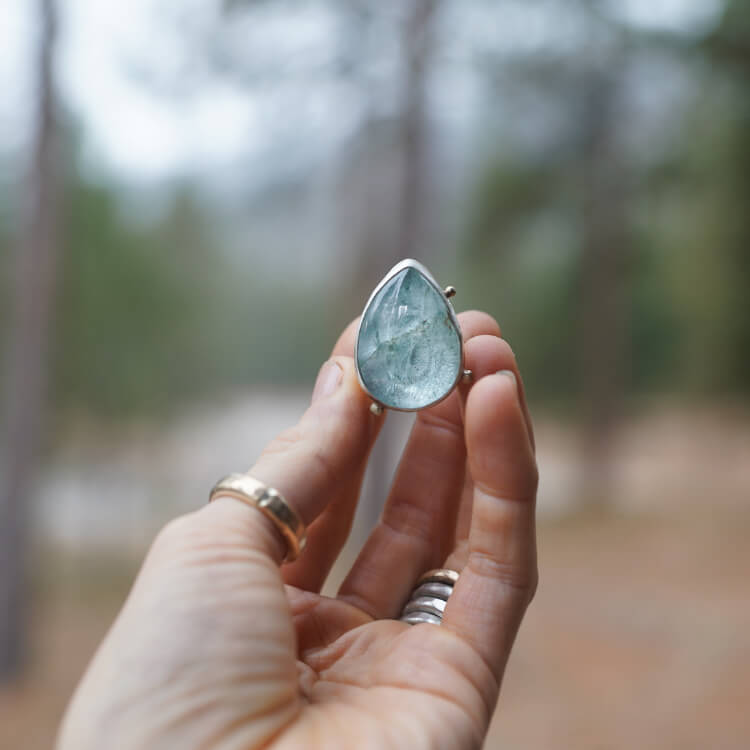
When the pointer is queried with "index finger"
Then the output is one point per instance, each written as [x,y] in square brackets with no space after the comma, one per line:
[344,346]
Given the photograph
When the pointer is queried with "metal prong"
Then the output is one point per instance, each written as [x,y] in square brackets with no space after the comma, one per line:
[449,291]
[376,408]
[467,376]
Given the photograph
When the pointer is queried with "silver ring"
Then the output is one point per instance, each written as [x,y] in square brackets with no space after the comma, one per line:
[441,590]
[429,597]
[415,618]
[430,604]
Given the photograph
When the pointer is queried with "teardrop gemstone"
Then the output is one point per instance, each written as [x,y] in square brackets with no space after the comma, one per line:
[409,347]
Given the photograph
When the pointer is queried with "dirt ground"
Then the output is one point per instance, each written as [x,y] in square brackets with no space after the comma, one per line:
[639,637]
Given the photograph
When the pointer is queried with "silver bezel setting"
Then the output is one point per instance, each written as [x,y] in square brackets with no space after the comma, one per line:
[400,266]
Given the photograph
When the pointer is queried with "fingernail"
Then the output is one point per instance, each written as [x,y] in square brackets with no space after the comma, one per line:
[508,374]
[329,377]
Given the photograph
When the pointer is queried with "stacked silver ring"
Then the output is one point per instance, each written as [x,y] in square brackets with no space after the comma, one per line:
[429,597]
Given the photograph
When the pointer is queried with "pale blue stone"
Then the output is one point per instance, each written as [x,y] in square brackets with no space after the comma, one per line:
[409,349]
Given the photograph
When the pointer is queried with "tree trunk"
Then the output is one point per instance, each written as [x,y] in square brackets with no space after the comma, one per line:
[605,286]
[417,48]
[28,354]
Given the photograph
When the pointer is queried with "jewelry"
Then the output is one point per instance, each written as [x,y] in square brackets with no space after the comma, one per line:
[409,350]
[429,597]
[270,503]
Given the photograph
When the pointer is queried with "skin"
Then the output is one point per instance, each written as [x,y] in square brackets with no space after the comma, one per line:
[219,645]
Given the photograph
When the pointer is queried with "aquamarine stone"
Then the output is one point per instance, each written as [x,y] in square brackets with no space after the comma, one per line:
[409,348]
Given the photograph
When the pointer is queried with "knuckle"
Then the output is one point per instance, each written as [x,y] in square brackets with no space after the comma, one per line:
[409,520]
[187,532]
[285,440]
[175,530]
[509,355]
[519,578]
[534,584]
[173,537]
[478,322]
[323,465]
[533,479]
[438,424]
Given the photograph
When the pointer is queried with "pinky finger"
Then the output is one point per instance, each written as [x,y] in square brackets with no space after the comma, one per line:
[499,577]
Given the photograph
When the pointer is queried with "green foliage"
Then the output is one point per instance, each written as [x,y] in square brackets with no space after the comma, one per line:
[124,307]
[655,332]
[526,279]
[150,317]
[687,247]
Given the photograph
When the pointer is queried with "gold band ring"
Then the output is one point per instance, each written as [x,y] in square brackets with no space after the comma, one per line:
[270,503]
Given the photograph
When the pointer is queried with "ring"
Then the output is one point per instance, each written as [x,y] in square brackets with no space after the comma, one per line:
[270,503]
[409,349]
[429,597]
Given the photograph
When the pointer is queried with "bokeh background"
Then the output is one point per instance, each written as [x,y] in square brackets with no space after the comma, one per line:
[197,195]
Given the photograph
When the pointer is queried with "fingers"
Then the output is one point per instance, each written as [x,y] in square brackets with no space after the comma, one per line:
[344,346]
[499,577]
[326,537]
[308,462]
[328,533]
[493,356]
[311,462]
[417,527]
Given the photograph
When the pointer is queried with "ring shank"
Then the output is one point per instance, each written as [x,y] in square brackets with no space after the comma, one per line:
[270,503]
[429,597]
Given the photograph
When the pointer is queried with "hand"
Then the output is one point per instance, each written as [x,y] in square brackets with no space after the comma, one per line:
[218,646]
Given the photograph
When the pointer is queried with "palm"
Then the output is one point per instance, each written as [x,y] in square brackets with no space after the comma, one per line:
[380,680]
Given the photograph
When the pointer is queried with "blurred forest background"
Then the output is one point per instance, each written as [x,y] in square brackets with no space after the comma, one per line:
[195,197]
